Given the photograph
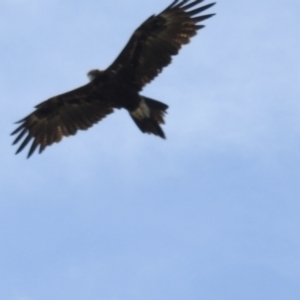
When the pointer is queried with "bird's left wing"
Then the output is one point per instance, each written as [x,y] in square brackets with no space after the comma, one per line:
[61,116]
[151,46]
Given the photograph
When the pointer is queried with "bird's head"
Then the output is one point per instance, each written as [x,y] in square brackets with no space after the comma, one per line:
[93,74]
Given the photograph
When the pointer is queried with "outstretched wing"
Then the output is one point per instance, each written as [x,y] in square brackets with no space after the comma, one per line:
[61,116]
[151,46]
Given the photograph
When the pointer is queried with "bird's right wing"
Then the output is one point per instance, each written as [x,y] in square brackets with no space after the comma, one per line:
[61,116]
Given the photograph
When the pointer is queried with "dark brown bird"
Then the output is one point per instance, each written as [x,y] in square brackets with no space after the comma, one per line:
[148,51]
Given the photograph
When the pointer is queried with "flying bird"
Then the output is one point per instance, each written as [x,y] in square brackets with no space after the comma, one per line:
[147,52]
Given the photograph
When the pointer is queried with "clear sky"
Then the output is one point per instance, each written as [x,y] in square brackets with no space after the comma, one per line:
[211,213]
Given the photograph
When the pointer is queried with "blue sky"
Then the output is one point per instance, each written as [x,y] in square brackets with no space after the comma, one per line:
[112,214]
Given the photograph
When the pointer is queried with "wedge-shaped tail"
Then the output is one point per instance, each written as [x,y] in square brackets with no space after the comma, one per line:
[149,115]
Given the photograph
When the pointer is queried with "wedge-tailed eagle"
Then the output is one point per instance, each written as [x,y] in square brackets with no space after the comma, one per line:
[148,51]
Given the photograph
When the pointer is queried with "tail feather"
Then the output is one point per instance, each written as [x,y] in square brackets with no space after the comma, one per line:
[149,115]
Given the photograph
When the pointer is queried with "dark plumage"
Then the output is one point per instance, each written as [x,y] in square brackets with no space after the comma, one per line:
[148,51]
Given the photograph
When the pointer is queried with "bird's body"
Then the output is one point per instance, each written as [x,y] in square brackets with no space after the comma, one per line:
[148,51]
